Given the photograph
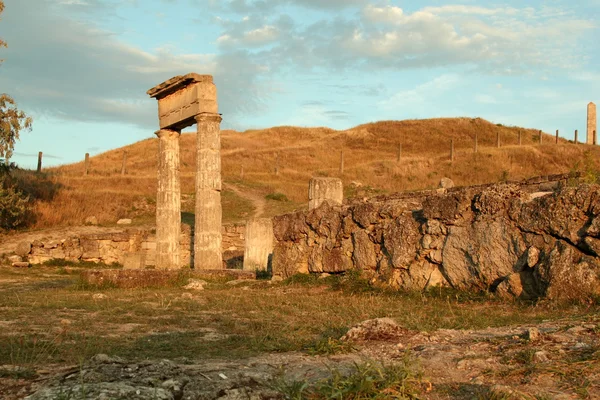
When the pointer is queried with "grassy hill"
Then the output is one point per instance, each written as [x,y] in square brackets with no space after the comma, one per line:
[249,161]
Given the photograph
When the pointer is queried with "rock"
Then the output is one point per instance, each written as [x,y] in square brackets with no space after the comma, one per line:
[14,259]
[533,256]
[23,249]
[187,296]
[92,220]
[106,359]
[446,183]
[375,329]
[510,287]
[195,284]
[276,278]
[22,264]
[99,296]
[124,221]
[533,334]
[540,357]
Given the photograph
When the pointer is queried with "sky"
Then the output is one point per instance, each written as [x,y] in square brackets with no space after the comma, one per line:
[81,68]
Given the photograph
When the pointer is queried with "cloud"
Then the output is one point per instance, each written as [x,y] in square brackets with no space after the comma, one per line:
[422,95]
[59,66]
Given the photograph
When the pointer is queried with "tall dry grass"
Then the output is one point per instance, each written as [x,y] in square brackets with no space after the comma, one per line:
[370,157]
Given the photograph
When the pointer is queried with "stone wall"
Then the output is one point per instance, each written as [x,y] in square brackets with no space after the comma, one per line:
[133,247]
[532,239]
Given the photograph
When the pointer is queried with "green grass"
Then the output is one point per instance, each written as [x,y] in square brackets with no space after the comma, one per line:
[366,380]
[51,319]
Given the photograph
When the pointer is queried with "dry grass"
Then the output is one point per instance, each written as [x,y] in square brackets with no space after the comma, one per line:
[370,157]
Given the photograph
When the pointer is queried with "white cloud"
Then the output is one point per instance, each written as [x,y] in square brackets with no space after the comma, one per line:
[422,94]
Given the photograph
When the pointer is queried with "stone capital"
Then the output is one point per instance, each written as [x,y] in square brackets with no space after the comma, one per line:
[208,117]
[168,133]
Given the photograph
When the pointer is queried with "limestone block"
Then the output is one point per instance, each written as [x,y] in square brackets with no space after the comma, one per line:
[23,249]
[259,244]
[181,98]
[325,189]
[124,221]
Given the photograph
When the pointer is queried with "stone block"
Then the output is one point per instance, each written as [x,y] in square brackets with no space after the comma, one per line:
[23,249]
[124,221]
[324,189]
[181,98]
[259,244]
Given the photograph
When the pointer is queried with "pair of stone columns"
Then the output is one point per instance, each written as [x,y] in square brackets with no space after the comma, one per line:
[183,101]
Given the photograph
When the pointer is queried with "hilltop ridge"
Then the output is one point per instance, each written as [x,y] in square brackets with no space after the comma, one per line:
[278,163]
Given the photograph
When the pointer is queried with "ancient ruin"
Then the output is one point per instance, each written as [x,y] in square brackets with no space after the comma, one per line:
[182,102]
[539,238]
[259,244]
[325,189]
[591,123]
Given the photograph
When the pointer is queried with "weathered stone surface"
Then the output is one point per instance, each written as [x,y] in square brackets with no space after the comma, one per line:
[591,123]
[446,183]
[23,249]
[168,201]
[21,264]
[325,189]
[207,233]
[259,244]
[182,98]
[495,238]
[124,221]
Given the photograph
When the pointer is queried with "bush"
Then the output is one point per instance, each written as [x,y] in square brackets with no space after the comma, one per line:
[277,197]
[14,208]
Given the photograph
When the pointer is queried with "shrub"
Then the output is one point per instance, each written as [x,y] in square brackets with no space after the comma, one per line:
[15,211]
[276,197]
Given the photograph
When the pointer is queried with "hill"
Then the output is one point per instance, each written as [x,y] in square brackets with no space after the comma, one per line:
[263,168]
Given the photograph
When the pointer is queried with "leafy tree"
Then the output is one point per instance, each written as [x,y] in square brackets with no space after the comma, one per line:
[14,204]
[12,121]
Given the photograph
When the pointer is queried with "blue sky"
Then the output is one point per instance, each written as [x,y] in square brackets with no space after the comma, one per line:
[81,67]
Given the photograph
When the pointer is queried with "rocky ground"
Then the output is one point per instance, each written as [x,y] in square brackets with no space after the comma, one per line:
[553,360]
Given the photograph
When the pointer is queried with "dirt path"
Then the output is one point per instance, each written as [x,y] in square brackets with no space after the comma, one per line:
[257,199]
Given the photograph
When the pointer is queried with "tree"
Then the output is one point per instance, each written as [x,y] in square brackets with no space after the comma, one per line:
[12,120]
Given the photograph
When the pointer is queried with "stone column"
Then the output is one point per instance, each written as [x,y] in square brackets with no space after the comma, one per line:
[591,122]
[168,201]
[39,165]
[207,232]
[325,189]
[259,244]
[498,140]
[576,138]
[87,164]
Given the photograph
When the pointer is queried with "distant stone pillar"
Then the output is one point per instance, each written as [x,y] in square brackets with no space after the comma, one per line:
[87,164]
[342,162]
[452,150]
[325,189]
[576,138]
[168,201]
[591,122]
[39,166]
[207,232]
[541,137]
[475,146]
[259,244]
[557,136]
[498,140]
[520,135]
[124,163]
[399,153]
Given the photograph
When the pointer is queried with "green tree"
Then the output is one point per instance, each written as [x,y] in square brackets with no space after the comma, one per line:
[12,120]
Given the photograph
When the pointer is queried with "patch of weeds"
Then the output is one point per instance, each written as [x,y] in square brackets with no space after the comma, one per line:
[277,197]
[301,279]
[329,343]
[368,380]
[58,262]
[524,357]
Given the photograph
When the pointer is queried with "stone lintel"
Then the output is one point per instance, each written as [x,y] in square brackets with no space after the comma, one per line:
[177,83]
